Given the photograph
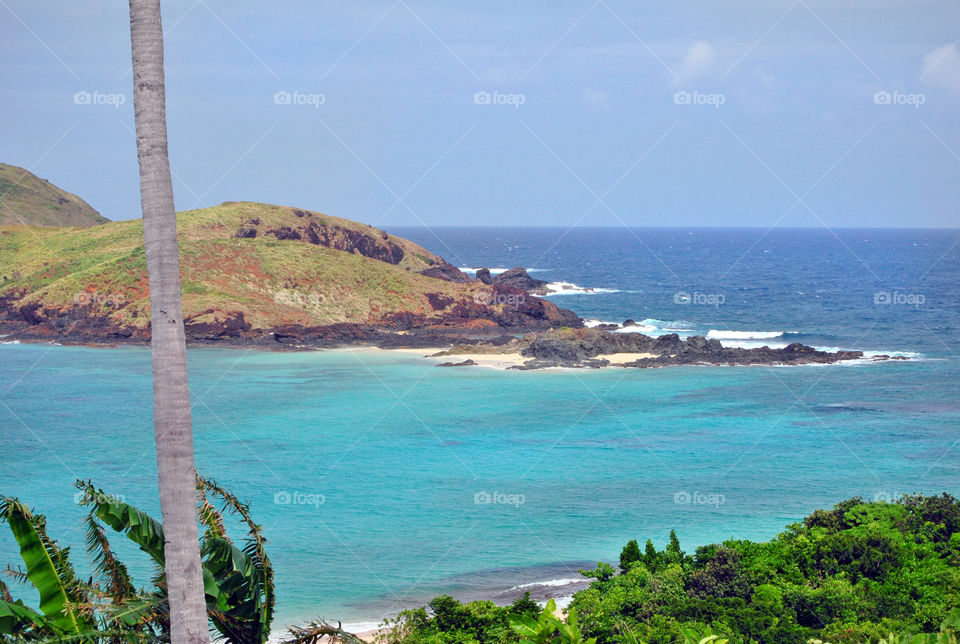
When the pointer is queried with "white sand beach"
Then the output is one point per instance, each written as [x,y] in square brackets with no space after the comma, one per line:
[494,360]
[617,359]
[506,360]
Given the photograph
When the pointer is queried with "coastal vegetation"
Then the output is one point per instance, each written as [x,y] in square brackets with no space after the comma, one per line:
[861,572]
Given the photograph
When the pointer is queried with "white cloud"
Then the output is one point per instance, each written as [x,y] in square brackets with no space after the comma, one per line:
[941,68]
[700,60]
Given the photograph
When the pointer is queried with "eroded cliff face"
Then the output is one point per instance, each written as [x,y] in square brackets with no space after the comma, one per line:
[374,244]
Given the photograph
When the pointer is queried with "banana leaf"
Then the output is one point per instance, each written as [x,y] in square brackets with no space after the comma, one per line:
[255,547]
[233,607]
[106,564]
[18,619]
[138,526]
[245,576]
[48,568]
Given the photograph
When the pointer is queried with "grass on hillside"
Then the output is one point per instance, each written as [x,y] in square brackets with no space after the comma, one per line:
[26,199]
[272,281]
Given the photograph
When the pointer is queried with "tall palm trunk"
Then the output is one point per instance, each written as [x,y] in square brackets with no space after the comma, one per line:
[172,422]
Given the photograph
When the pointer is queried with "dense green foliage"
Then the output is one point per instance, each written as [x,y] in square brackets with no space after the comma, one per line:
[450,621]
[861,572]
[549,628]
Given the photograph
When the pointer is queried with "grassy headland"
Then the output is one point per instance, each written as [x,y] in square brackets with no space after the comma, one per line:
[247,269]
[28,200]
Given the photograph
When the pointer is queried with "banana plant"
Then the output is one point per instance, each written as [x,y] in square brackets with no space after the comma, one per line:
[238,580]
[701,636]
[67,609]
[548,628]
[109,609]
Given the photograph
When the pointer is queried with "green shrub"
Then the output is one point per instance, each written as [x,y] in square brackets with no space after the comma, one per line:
[856,573]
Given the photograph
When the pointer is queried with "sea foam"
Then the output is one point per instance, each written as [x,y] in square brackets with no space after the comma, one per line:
[553,583]
[569,288]
[719,334]
[497,271]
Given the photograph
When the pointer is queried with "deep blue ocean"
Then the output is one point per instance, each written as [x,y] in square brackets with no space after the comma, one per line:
[382,481]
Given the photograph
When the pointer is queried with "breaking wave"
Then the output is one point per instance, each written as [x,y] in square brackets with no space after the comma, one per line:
[569,288]
[497,271]
[718,334]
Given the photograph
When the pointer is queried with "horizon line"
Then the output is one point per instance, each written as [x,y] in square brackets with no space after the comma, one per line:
[621,227]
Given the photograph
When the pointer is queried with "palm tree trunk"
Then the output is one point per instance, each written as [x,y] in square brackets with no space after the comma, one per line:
[172,422]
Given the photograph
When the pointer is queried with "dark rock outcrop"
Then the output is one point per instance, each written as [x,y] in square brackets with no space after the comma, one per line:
[375,244]
[517,278]
[214,325]
[585,348]
[284,232]
[465,363]
[443,270]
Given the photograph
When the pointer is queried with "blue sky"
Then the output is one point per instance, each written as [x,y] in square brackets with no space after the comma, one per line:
[594,113]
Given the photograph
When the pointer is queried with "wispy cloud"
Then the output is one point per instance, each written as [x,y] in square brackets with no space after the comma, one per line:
[941,68]
[699,61]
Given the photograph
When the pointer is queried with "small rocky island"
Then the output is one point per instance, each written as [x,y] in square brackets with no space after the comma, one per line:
[595,348]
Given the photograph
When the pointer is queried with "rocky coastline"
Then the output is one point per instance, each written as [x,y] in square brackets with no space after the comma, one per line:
[597,348]
[501,310]
[537,333]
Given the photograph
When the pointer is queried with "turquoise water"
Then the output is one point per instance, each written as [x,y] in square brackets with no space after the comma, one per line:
[580,462]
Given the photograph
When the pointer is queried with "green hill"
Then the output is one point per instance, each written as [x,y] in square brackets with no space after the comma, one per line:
[250,271]
[26,199]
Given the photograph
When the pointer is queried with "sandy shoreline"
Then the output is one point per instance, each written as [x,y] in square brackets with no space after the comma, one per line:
[541,588]
[494,360]
[619,359]
[367,631]
[503,360]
